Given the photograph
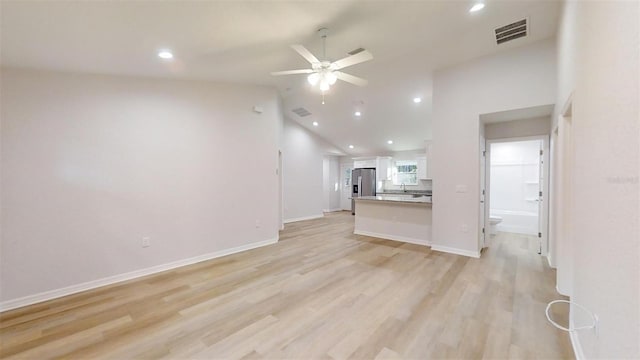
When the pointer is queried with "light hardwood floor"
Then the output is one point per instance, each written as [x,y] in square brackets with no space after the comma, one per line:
[321,292]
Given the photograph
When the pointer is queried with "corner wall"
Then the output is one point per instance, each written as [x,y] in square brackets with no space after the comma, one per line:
[599,60]
[92,164]
[302,171]
[518,78]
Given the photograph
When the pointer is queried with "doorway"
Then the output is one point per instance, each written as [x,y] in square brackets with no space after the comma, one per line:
[345,186]
[516,177]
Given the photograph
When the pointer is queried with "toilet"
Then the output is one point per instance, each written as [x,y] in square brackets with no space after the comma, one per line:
[493,224]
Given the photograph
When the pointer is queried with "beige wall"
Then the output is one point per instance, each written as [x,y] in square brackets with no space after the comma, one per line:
[599,57]
[518,128]
[519,78]
[302,157]
[91,164]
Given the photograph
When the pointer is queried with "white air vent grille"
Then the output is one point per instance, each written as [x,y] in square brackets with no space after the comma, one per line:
[356,51]
[302,112]
[512,31]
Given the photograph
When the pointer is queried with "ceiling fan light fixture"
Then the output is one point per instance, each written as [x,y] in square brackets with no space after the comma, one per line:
[313,79]
[331,78]
[324,85]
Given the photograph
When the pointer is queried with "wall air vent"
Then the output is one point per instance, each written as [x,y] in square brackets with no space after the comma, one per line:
[512,31]
[302,112]
[356,51]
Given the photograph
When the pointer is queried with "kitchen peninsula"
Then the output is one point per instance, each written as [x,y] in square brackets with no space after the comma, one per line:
[402,217]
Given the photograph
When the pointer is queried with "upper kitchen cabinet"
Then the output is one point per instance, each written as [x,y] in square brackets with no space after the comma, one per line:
[384,169]
[422,167]
[382,164]
[365,163]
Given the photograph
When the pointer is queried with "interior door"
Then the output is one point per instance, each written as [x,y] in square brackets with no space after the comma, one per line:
[542,223]
[345,189]
[483,169]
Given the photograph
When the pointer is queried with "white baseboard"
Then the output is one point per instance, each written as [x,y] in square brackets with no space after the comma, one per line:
[577,347]
[53,294]
[392,237]
[549,261]
[560,292]
[286,221]
[450,250]
[330,210]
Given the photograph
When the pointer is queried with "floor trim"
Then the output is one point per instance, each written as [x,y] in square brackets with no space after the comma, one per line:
[331,210]
[392,237]
[286,221]
[575,344]
[56,293]
[450,250]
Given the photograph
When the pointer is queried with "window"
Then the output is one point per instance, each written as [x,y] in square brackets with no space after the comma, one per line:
[405,172]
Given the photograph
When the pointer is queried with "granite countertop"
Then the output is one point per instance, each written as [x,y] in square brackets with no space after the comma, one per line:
[398,198]
[408,192]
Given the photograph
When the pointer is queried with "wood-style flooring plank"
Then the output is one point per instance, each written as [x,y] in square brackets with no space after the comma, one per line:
[321,292]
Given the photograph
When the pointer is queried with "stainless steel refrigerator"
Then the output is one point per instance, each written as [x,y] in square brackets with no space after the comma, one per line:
[363,184]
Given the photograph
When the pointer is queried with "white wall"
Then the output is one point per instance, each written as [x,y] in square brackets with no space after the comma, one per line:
[302,170]
[334,183]
[91,164]
[518,128]
[514,79]
[599,56]
[331,183]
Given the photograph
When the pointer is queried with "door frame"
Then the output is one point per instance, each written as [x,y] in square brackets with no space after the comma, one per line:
[343,167]
[546,195]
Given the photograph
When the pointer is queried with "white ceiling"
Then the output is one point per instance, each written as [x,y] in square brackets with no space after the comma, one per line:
[244,41]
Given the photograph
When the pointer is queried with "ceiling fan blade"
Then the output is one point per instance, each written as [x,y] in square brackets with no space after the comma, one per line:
[350,78]
[305,53]
[292,72]
[352,60]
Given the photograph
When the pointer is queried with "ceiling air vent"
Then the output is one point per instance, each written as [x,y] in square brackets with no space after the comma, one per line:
[512,31]
[302,112]
[356,51]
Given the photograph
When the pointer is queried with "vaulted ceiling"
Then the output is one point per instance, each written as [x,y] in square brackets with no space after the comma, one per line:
[243,42]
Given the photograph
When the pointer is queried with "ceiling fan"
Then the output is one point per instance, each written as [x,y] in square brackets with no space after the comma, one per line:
[326,72]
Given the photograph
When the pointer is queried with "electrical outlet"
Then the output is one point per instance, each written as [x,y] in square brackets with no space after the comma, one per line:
[464,228]
[257,224]
[146,241]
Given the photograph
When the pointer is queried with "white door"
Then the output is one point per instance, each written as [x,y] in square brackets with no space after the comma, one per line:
[483,170]
[542,223]
[345,186]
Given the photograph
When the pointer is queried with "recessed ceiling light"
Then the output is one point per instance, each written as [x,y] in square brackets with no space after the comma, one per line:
[477,7]
[315,123]
[389,142]
[165,54]
[357,113]
[417,100]
[350,146]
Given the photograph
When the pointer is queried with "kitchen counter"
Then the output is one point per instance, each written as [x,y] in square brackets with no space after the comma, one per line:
[397,198]
[395,217]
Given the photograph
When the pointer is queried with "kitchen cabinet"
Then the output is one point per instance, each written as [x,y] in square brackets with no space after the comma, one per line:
[365,163]
[382,164]
[383,168]
[422,167]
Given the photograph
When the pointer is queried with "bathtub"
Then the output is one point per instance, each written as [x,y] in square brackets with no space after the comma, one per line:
[520,222]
